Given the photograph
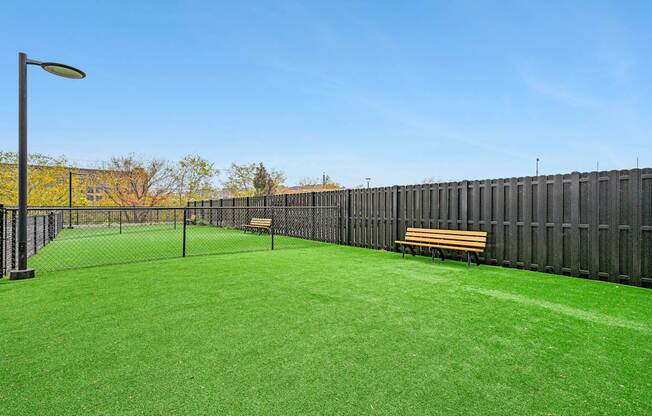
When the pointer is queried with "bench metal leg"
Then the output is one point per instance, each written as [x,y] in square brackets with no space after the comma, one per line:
[441,252]
[411,250]
[403,250]
[477,258]
[432,254]
[468,259]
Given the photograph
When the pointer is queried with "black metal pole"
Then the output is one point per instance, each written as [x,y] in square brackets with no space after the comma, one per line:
[2,240]
[22,272]
[70,198]
[120,221]
[184,233]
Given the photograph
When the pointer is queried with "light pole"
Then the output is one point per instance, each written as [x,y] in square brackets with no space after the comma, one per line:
[367,179]
[22,272]
[70,175]
[537,170]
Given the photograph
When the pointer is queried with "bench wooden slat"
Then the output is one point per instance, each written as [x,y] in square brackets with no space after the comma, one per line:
[447,241]
[471,242]
[259,223]
[452,232]
[446,236]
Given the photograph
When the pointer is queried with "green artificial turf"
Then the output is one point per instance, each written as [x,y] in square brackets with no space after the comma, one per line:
[103,245]
[322,330]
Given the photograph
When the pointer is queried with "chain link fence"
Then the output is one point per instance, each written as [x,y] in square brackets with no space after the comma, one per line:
[69,238]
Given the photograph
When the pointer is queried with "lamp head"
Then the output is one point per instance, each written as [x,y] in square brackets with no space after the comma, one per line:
[63,70]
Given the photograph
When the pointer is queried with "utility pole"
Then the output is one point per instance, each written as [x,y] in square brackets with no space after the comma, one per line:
[537,168]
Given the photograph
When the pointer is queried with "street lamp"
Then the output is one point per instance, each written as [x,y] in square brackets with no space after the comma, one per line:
[367,179]
[70,175]
[66,71]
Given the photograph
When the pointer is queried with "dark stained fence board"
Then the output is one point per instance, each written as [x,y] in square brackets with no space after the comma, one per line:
[594,222]
[489,254]
[512,200]
[475,206]
[542,223]
[574,249]
[463,207]
[558,230]
[499,214]
[527,222]
[614,232]
[635,224]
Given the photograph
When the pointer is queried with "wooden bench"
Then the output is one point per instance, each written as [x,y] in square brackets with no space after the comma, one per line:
[470,242]
[192,220]
[258,224]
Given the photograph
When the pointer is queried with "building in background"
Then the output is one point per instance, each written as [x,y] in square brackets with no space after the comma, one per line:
[48,185]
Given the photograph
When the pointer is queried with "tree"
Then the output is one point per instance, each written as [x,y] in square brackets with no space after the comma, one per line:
[432,179]
[324,183]
[239,179]
[275,179]
[252,179]
[192,178]
[130,181]
[261,180]
[47,178]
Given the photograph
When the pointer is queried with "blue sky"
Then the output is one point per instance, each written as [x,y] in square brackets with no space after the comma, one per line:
[397,91]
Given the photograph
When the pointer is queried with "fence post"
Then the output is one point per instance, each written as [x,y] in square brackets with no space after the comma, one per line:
[312,215]
[395,208]
[50,226]
[120,221]
[271,229]
[246,221]
[14,230]
[184,233]
[348,217]
[339,224]
[34,233]
[285,214]
[175,218]
[2,243]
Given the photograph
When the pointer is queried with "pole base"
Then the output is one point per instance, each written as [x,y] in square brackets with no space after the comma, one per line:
[21,274]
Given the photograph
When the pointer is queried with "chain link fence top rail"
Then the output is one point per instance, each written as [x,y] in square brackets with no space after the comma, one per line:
[68,238]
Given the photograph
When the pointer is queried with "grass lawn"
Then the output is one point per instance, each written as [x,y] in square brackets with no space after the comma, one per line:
[103,245]
[322,330]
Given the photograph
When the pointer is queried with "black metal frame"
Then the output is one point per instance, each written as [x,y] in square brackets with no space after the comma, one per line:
[469,254]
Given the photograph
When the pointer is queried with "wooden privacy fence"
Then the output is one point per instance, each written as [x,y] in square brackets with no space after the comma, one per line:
[596,225]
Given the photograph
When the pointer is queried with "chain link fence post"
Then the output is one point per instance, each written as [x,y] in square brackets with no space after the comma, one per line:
[183,251]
